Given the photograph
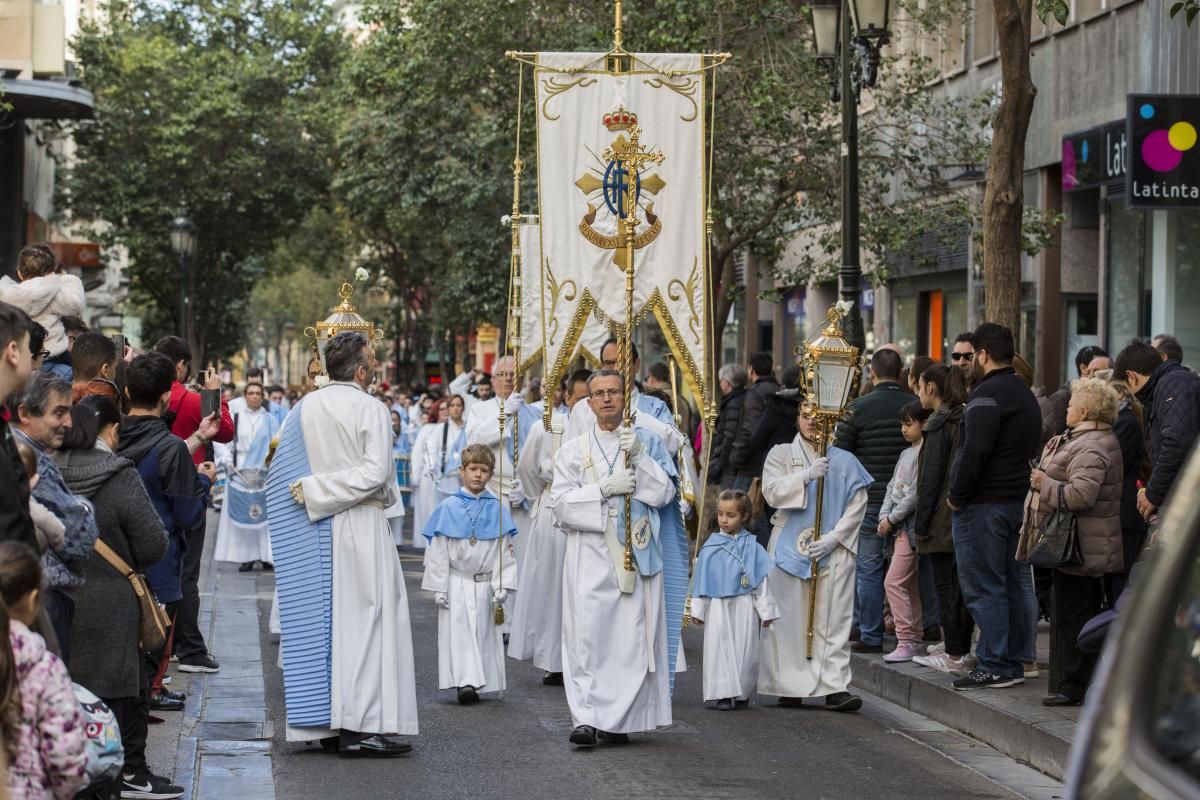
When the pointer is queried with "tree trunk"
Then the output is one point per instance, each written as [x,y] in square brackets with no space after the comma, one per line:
[1003,199]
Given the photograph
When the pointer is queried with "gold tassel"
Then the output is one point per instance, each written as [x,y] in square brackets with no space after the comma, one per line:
[499,614]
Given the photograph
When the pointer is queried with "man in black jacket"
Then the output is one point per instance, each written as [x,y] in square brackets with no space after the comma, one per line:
[1000,432]
[871,431]
[745,460]
[1170,397]
[16,362]
[732,381]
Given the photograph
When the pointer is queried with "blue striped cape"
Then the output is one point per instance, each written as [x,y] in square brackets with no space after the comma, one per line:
[303,553]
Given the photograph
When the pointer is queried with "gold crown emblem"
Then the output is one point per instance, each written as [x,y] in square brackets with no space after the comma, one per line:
[620,120]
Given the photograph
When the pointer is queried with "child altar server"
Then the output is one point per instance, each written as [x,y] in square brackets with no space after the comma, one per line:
[470,566]
[731,595]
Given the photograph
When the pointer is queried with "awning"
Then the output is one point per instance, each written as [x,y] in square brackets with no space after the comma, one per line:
[36,99]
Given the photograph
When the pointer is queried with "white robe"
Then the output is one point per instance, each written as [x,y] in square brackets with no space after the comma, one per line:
[236,542]
[424,487]
[483,427]
[785,670]
[537,613]
[470,644]
[732,635]
[347,434]
[615,665]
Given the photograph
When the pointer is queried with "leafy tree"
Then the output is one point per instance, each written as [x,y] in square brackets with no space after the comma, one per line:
[222,105]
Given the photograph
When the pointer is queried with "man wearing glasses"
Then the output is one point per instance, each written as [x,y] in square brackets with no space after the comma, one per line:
[964,351]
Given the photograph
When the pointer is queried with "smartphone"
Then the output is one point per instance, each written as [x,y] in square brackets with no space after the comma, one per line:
[210,401]
[118,340]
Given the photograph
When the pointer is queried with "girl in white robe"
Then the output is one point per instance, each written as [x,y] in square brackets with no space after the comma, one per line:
[470,566]
[733,602]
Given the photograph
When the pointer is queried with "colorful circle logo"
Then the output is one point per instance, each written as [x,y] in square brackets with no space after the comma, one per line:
[1163,149]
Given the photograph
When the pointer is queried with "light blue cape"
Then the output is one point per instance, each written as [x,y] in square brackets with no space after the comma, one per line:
[452,517]
[722,562]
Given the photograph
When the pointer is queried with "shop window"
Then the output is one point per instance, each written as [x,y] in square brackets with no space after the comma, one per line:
[904,323]
[984,41]
[1183,261]
[1127,311]
[954,312]
[1082,327]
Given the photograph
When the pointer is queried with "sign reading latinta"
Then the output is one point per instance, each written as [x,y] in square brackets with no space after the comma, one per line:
[1164,160]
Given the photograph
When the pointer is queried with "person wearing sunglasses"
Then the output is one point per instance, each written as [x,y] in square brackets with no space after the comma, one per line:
[964,351]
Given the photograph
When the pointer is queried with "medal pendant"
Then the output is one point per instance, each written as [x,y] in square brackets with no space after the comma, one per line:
[745,581]
[473,540]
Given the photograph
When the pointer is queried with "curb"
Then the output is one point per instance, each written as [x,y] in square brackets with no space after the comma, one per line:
[1002,719]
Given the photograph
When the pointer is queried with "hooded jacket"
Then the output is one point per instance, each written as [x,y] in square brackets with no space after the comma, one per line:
[1171,402]
[47,298]
[51,761]
[933,521]
[178,493]
[729,422]
[104,639]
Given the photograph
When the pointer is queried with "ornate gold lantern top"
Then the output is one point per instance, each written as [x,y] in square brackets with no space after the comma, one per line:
[344,317]
[829,371]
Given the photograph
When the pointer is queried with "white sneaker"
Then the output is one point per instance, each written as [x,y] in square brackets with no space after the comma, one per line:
[944,663]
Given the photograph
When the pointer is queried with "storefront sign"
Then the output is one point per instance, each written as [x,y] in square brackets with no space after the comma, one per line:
[1164,169]
[1094,157]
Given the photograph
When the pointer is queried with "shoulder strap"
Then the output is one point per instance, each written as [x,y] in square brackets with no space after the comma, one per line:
[110,555]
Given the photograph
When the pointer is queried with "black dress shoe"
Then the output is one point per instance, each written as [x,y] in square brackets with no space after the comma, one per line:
[1061,699]
[741,703]
[377,746]
[725,704]
[552,679]
[467,695]
[862,647]
[584,736]
[843,701]
[791,702]
[246,567]
[160,702]
[180,696]
[613,738]
[268,566]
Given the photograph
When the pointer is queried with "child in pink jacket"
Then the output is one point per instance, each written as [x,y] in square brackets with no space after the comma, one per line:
[50,758]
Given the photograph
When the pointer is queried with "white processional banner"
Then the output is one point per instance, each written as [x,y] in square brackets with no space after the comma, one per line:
[594,334]
[582,112]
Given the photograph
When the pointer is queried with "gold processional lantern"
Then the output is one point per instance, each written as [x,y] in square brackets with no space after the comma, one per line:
[344,317]
[829,373]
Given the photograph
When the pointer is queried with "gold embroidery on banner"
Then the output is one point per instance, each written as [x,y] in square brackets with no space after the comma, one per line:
[685,89]
[689,291]
[570,339]
[554,87]
[558,291]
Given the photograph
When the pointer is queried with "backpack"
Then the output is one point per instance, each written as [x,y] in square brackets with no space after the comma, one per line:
[105,753]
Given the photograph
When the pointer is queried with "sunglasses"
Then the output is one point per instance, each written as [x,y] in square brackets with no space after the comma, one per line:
[961,356]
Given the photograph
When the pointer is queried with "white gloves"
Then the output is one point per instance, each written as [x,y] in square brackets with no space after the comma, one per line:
[685,508]
[631,444]
[441,599]
[516,492]
[822,547]
[513,404]
[819,469]
[499,595]
[620,482]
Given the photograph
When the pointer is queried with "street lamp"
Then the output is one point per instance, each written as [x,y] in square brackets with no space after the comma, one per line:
[183,242]
[849,44]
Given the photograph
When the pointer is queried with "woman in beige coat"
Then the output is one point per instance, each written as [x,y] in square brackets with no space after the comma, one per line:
[1085,462]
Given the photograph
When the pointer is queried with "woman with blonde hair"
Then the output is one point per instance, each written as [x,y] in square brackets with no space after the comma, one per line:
[1080,471]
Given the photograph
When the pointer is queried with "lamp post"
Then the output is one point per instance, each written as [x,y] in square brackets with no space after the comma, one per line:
[183,242]
[848,44]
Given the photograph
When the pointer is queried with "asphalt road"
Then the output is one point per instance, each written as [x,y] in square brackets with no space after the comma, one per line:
[516,747]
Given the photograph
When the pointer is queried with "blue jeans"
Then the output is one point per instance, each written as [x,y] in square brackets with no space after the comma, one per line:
[985,543]
[868,571]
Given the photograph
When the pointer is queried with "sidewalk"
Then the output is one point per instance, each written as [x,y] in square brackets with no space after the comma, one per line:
[222,746]
[1013,721]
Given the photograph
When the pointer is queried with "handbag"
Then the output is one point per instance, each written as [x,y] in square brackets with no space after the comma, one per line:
[1057,544]
[154,618]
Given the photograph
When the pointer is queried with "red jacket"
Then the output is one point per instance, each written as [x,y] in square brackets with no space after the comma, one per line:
[186,405]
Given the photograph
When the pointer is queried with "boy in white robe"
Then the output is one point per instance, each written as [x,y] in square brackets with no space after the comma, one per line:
[470,566]
[732,599]
[791,475]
